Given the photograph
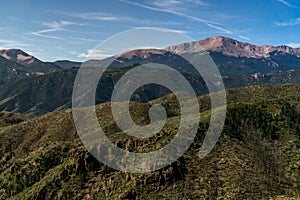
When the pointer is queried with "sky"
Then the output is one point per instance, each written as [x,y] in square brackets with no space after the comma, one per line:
[69,29]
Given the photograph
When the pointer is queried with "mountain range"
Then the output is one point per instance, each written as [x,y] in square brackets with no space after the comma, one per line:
[221,49]
[33,87]
[231,47]
[231,56]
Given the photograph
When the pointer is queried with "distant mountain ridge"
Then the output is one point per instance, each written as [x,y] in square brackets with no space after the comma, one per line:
[19,56]
[218,44]
[231,47]
[231,56]
[67,64]
[16,64]
[29,61]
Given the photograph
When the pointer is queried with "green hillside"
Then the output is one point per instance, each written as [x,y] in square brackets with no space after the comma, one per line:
[257,156]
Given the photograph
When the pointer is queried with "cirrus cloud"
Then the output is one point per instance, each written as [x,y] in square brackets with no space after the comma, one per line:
[292,22]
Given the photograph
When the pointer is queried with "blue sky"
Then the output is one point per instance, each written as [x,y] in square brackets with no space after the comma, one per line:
[65,29]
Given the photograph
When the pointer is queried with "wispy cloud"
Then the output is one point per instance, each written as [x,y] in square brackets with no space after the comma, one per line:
[177,5]
[244,37]
[163,7]
[12,44]
[292,22]
[173,31]
[74,53]
[84,39]
[109,17]
[198,2]
[166,30]
[287,3]
[94,54]
[54,27]
[294,45]
[58,25]
[170,11]
[101,16]
[41,34]
[219,28]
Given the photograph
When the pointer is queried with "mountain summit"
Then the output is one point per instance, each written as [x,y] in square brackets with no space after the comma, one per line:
[231,47]
[19,56]
[16,64]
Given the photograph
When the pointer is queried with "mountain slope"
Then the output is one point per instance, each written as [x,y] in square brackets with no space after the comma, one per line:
[43,158]
[43,94]
[32,63]
[276,62]
[11,71]
[19,56]
[15,65]
[53,91]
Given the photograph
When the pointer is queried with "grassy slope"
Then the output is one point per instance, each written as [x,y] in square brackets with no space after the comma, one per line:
[257,155]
